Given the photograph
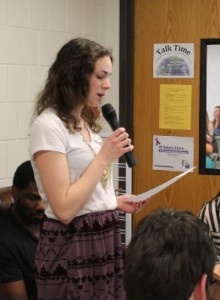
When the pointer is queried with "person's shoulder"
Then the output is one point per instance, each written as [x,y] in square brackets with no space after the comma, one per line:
[12,232]
[215,201]
[211,206]
[47,121]
[6,216]
[6,224]
[48,115]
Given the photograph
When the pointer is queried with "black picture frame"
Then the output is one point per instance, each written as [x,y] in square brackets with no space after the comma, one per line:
[209,162]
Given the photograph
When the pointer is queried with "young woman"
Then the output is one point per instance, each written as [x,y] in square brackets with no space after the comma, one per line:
[216,126]
[79,254]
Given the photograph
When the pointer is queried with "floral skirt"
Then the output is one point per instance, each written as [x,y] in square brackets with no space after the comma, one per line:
[82,260]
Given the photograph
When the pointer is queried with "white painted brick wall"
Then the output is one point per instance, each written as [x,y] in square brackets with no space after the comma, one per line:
[31,33]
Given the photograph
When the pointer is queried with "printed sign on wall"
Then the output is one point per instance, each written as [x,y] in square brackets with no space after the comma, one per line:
[173,153]
[173,60]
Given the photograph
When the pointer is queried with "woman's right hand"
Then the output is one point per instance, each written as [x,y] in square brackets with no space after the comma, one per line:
[116,145]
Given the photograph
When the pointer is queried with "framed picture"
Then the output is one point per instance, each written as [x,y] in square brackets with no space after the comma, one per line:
[209,118]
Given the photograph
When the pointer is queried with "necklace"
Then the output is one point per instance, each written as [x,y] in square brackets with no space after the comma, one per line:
[105,174]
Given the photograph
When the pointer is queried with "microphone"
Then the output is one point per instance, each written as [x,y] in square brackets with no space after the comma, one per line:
[110,116]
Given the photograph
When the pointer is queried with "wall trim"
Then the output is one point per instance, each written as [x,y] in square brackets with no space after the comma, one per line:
[126,68]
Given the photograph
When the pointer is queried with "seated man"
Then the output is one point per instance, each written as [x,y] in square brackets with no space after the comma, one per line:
[170,257]
[19,232]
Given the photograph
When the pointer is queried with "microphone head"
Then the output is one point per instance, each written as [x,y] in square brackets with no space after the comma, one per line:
[108,111]
[109,114]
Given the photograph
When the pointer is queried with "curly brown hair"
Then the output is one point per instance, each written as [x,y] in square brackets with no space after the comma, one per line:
[67,85]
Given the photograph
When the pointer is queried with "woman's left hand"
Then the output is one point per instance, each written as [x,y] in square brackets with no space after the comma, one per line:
[129,207]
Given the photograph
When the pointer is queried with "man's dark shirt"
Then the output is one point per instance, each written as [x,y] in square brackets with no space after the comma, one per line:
[17,253]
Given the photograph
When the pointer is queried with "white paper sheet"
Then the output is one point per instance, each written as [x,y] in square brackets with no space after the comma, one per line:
[159,188]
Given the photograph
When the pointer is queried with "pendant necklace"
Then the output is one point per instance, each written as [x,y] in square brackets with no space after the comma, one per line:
[105,174]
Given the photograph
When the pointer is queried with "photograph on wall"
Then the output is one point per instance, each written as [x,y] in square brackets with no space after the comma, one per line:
[173,60]
[172,153]
[212,132]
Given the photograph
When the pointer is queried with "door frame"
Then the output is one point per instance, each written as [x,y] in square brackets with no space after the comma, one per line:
[126,65]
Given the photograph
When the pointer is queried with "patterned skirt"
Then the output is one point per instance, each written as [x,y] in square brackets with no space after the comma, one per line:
[82,260]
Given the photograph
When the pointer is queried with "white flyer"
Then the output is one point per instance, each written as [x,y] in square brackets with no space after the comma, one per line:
[150,193]
[173,153]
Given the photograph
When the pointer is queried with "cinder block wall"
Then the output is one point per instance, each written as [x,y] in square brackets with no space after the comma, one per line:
[31,33]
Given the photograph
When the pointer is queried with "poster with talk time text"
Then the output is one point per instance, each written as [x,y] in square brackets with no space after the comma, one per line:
[174,60]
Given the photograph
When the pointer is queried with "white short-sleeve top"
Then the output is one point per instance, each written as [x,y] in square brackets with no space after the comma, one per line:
[49,133]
